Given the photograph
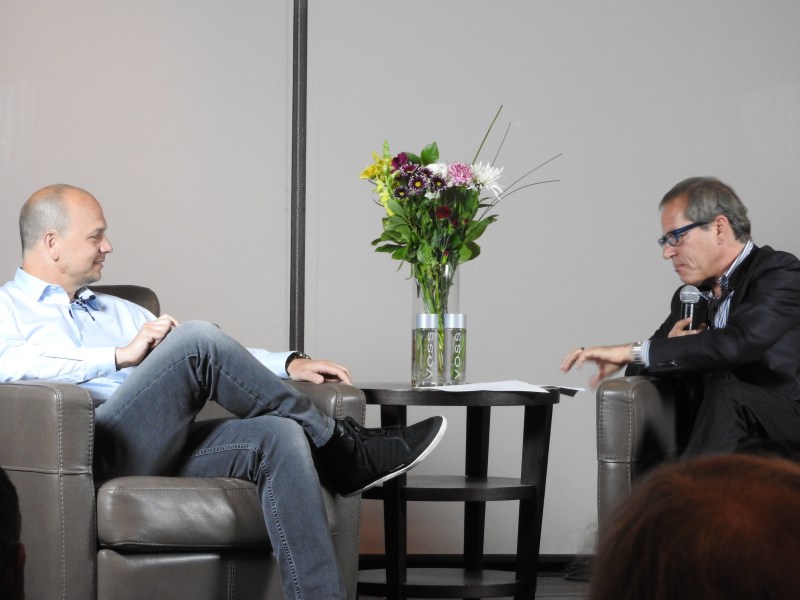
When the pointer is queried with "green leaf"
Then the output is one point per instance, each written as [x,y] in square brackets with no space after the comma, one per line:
[413,158]
[425,254]
[430,154]
[393,223]
[395,206]
[469,251]
[476,229]
[400,253]
[402,230]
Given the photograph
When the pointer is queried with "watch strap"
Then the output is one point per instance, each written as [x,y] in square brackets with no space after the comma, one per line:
[293,356]
[637,354]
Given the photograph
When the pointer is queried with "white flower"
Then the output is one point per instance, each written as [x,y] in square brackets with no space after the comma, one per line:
[439,169]
[486,176]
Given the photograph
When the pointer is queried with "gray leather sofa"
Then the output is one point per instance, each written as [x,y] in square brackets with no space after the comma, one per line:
[157,538]
[637,429]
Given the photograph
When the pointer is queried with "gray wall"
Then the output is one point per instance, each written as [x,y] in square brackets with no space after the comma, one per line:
[176,115]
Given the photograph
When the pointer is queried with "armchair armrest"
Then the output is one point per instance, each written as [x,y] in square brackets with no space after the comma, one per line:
[46,445]
[636,430]
[338,400]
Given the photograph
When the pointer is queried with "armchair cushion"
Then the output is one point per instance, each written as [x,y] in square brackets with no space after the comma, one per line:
[149,513]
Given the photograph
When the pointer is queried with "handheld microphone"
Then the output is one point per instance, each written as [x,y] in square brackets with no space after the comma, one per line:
[689,296]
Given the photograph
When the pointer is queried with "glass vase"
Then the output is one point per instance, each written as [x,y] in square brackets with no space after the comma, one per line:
[436,293]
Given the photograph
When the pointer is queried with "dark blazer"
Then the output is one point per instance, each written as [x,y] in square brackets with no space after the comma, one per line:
[760,343]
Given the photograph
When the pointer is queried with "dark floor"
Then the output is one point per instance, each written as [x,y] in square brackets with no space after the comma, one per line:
[549,588]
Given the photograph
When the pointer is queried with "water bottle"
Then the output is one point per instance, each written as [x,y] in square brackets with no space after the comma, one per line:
[455,348]
[425,351]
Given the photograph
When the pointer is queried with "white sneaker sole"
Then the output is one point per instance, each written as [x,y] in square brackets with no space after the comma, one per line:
[404,468]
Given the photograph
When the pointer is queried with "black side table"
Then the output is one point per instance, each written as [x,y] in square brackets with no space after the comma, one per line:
[469,579]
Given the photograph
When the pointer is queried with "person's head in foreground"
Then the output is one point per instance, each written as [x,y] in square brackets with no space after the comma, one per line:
[723,527]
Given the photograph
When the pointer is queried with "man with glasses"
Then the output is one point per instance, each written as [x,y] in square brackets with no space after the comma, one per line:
[740,353]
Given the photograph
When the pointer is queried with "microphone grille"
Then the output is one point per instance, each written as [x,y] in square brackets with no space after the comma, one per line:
[690,294]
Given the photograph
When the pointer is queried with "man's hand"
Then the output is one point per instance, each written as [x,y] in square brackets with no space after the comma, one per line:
[609,360]
[318,371]
[150,335]
[679,329]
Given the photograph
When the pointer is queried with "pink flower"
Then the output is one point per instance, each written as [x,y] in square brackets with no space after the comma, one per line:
[460,173]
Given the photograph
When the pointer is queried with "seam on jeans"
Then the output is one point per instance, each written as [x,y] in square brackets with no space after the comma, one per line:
[223,448]
[284,545]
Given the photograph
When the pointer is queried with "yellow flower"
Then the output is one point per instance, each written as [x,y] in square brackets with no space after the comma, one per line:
[377,168]
[371,172]
[385,194]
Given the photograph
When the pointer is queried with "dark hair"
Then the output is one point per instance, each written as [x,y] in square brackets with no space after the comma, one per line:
[10,519]
[716,527]
[707,198]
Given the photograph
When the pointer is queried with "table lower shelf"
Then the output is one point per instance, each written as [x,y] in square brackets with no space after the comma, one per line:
[435,582]
[457,488]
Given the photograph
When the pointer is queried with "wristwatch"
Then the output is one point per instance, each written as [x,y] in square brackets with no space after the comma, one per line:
[293,356]
[636,354]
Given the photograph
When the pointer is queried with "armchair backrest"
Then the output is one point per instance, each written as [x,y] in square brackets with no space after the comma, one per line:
[144,297]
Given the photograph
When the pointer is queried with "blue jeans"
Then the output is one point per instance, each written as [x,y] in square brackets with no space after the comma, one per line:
[147,428]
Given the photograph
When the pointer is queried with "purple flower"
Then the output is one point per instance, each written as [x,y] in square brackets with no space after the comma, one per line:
[417,184]
[401,193]
[460,173]
[399,160]
[436,183]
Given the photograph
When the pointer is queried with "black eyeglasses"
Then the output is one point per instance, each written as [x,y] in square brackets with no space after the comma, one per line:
[673,238]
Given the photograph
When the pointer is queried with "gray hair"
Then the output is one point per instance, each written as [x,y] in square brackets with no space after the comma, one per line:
[44,211]
[708,198]
[10,519]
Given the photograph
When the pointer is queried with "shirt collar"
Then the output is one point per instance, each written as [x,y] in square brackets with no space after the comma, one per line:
[727,281]
[40,291]
[748,248]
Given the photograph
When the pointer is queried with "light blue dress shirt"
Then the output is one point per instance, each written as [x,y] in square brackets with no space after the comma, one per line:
[44,336]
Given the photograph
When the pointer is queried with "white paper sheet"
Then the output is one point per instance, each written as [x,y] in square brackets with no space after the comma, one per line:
[494,386]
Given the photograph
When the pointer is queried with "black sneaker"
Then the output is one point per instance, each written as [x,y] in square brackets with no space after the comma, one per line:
[361,458]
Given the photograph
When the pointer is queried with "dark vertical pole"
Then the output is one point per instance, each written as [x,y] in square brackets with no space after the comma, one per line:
[298,208]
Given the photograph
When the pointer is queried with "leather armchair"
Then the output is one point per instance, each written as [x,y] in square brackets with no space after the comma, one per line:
[143,537]
[638,428]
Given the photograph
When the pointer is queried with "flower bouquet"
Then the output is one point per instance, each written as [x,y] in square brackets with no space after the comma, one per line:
[435,213]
